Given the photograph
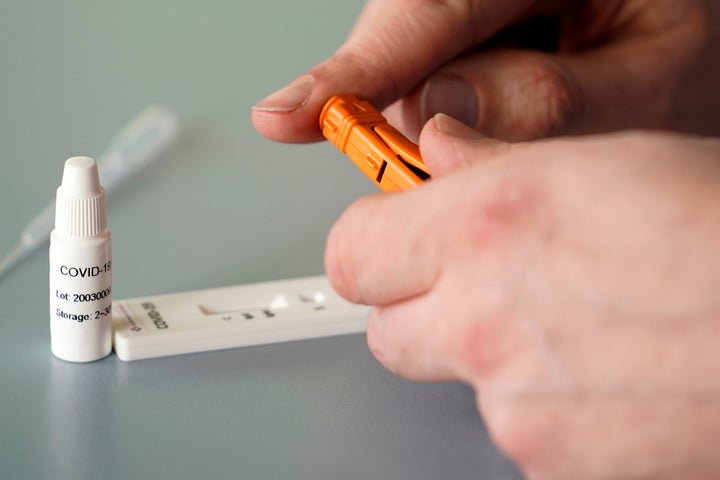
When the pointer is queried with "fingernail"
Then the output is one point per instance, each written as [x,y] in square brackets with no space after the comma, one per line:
[450,95]
[449,126]
[289,98]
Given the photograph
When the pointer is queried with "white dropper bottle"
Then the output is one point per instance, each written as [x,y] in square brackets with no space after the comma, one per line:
[80,266]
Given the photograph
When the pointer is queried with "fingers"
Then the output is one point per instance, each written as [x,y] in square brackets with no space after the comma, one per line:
[383,249]
[523,95]
[392,47]
[448,145]
[408,338]
[508,94]
[412,51]
[396,251]
[401,238]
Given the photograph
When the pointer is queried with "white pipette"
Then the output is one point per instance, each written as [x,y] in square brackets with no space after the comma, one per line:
[135,147]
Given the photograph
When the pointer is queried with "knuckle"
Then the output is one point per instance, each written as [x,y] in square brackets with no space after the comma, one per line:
[480,346]
[553,95]
[524,433]
[386,348]
[343,257]
[510,206]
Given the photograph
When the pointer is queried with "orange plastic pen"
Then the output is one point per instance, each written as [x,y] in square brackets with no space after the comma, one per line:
[358,129]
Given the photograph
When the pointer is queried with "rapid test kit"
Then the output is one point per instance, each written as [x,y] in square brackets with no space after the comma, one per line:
[85,323]
[214,319]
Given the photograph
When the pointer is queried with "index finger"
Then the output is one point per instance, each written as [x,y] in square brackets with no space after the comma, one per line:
[393,46]
[382,249]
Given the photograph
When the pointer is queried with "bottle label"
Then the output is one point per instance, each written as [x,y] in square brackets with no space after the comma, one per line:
[81,295]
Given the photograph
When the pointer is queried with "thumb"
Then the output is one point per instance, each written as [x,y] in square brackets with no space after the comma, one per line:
[448,145]
[524,95]
[393,46]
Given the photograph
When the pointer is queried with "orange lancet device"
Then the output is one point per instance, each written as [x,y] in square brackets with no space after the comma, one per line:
[358,129]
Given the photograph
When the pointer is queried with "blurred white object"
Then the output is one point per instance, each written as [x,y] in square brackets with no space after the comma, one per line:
[139,144]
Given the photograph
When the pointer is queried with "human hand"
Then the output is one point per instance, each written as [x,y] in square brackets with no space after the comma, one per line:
[572,282]
[617,64]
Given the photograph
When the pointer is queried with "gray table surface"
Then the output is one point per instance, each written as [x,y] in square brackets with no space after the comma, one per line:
[224,207]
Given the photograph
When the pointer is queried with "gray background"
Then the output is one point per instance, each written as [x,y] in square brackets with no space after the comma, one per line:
[224,207]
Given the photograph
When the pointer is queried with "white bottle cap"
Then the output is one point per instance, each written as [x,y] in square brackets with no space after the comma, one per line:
[80,208]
